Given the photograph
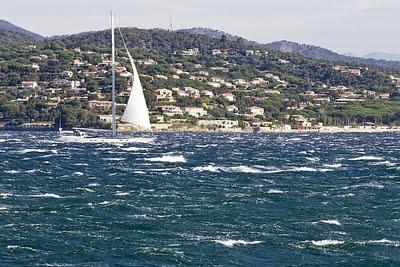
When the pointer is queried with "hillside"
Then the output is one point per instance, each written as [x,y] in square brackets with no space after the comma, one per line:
[197,76]
[8,26]
[303,50]
[11,39]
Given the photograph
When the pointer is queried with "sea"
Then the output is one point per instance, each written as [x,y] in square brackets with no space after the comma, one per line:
[195,199]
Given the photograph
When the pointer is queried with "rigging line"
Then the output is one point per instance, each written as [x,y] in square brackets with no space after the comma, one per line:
[122,37]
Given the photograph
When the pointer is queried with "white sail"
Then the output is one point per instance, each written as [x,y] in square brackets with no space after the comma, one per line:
[136,112]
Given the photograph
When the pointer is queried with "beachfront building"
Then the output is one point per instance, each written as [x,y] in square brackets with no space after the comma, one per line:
[107,118]
[224,124]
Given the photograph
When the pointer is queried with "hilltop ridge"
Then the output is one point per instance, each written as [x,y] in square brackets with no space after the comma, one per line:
[8,26]
[302,49]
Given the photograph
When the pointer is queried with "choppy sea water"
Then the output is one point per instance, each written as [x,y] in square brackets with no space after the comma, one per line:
[201,200]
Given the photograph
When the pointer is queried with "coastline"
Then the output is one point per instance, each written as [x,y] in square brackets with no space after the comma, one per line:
[327,130]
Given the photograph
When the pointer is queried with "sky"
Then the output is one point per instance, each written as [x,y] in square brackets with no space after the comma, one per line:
[346,26]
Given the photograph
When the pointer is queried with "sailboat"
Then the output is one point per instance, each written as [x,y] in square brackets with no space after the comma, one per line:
[136,113]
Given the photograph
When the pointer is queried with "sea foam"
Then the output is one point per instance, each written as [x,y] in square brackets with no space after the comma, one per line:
[325,243]
[366,158]
[230,242]
[168,159]
[238,169]
[333,222]
[47,195]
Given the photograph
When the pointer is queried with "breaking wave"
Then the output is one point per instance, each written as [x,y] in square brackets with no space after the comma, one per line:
[366,158]
[231,243]
[325,243]
[168,159]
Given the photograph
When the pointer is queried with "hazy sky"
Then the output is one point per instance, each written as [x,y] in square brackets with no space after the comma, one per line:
[358,26]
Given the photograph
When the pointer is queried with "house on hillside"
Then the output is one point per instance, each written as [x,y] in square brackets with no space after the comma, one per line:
[196,112]
[255,111]
[164,95]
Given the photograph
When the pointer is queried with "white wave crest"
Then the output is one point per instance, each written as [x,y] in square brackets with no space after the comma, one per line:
[12,172]
[47,195]
[333,222]
[36,150]
[133,149]
[168,159]
[333,166]
[239,169]
[230,243]
[113,159]
[384,163]
[303,169]
[382,242]
[366,158]
[367,185]
[209,168]
[13,247]
[274,191]
[325,243]
[246,169]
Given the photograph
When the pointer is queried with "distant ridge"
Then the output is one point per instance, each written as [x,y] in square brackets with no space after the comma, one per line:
[303,50]
[8,26]
[384,56]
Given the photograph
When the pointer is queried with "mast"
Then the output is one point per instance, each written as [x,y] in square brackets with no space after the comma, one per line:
[114,124]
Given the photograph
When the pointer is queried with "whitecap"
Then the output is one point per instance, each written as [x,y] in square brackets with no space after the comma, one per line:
[385,242]
[384,163]
[367,158]
[303,169]
[133,149]
[274,191]
[86,189]
[113,159]
[333,166]
[47,195]
[12,172]
[230,243]
[246,169]
[81,164]
[209,168]
[5,195]
[121,194]
[333,222]
[239,169]
[36,150]
[368,185]
[78,173]
[14,247]
[168,158]
[325,243]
